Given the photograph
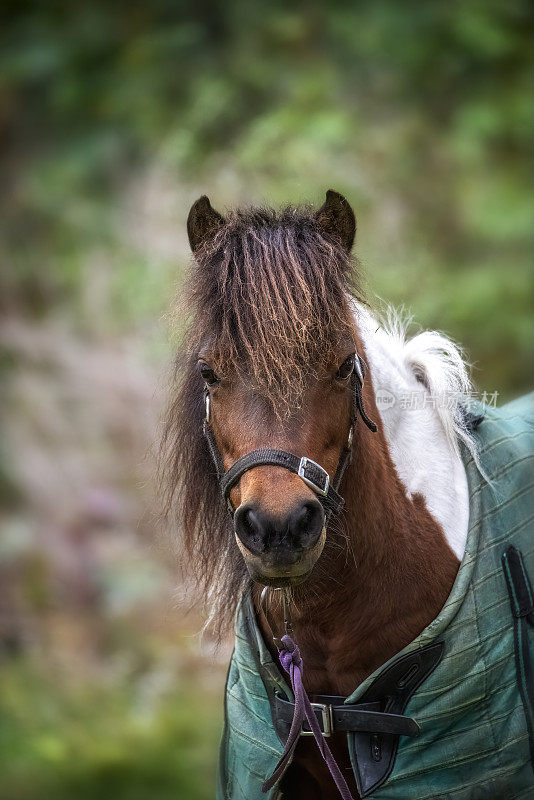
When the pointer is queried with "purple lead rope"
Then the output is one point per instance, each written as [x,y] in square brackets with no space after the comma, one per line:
[291,661]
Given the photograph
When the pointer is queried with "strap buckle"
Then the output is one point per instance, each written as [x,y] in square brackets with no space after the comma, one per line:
[301,472]
[327,720]
[359,369]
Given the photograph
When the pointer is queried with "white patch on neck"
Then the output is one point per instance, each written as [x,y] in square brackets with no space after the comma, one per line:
[414,381]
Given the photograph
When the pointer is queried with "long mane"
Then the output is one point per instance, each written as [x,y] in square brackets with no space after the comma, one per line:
[270,295]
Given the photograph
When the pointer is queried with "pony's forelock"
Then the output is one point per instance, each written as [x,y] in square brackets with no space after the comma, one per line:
[269,295]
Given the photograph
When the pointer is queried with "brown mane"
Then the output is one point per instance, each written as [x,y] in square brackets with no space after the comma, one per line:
[269,294]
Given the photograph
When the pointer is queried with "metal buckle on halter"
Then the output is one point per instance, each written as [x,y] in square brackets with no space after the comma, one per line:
[207,406]
[327,719]
[358,368]
[301,472]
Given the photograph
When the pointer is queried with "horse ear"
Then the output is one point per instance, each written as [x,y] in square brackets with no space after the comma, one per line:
[203,222]
[337,219]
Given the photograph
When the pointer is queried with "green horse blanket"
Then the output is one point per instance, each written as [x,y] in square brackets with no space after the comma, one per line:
[476,708]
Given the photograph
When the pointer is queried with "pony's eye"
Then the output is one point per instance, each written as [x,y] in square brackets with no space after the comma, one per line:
[346,368]
[208,374]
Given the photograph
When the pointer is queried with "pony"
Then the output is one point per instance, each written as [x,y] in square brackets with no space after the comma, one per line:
[278,335]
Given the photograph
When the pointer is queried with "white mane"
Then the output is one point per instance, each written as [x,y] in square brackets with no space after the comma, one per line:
[419,385]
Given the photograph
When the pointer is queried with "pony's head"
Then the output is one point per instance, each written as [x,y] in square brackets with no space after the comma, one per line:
[271,342]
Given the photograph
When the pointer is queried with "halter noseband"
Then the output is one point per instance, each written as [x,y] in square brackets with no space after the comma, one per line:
[309,471]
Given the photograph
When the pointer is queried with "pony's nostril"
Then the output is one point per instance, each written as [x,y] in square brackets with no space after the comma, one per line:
[251,524]
[249,528]
[306,523]
[302,518]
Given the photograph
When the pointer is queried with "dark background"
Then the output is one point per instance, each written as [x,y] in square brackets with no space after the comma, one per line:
[114,117]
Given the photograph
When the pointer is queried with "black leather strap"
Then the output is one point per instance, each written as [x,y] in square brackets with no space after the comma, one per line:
[333,716]
[309,471]
[214,450]
[518,583]
[522,605]
[373,755]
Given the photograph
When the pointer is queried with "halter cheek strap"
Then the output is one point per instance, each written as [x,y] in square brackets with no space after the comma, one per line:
[309,471]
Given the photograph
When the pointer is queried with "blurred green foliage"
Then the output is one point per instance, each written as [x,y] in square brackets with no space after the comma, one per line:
[114,117]
[420,112]
[104,740]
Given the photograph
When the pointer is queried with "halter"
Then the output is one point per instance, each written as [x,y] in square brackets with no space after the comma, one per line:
[313,475]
